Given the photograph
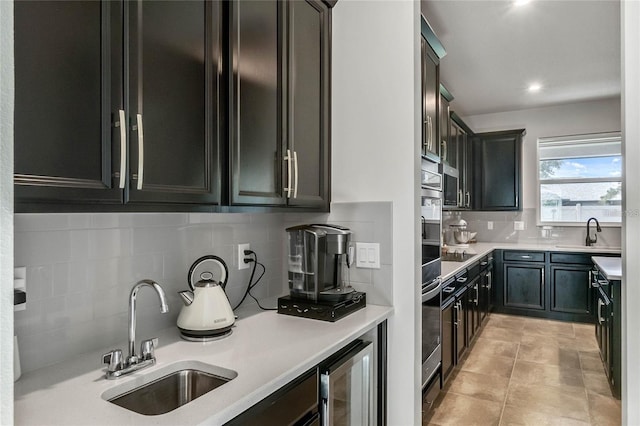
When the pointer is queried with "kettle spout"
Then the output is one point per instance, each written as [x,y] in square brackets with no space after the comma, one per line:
[187,297]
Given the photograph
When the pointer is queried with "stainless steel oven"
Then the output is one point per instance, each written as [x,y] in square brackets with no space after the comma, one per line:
[431,229]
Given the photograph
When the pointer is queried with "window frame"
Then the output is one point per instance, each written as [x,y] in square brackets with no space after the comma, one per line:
[589,136]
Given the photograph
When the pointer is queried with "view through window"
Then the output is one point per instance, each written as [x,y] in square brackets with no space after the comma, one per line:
[580,177]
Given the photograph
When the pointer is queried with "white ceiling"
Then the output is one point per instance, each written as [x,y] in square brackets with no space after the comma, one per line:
[495,50]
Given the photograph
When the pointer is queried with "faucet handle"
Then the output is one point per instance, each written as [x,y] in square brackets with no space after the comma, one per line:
[147,349]
[113,359]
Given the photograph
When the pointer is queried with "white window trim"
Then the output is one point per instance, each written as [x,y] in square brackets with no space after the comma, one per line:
[599,136]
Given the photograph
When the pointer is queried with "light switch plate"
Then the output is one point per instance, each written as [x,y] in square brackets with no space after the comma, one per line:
[368,255]
[490,225]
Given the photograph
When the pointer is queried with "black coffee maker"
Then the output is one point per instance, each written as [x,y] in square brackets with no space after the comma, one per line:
[319,258]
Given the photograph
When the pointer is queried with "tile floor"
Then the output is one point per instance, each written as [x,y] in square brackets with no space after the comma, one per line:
[528,371]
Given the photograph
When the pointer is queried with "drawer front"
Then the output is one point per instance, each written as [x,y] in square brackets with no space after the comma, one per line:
[573,258]
[524,256]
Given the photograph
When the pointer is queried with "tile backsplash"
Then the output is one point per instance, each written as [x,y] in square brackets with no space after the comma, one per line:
[81,268]
[503,229]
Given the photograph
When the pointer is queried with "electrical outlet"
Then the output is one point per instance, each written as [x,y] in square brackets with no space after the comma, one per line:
[518,225]
[242,256]
[490,225]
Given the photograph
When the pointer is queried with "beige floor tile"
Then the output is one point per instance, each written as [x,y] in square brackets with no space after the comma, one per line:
[516,415]
[550,355]
[604,411]
[578,344]
[459,410]
[561,401]
[480,386]
[531,373]
[492,347]
[550,328]
[591,362]
[597,383]
[489,365]
[503,334]
[506,321]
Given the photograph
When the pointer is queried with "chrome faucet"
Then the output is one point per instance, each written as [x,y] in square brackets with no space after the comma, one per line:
[590,241]
[116,365]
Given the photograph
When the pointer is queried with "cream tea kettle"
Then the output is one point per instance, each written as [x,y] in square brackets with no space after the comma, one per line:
[206,314]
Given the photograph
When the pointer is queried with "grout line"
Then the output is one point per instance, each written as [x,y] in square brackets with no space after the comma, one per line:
[506,394]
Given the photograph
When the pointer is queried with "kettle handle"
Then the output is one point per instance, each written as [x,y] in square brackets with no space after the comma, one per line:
[209,258]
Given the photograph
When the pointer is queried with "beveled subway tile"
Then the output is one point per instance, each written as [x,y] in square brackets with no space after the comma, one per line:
[531,373]
[550,355]
[597,383]
[481,386]
[517,415]
[458,410]
[562,401]
[604,411]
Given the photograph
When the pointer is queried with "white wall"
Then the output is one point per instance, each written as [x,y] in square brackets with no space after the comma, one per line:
[375,140]
[631,205]
[6,212]
[570,119]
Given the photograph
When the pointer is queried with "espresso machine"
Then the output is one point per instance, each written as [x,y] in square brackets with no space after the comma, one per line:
[319,257]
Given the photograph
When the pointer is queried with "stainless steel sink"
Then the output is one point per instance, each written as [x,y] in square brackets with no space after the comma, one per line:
[166,389]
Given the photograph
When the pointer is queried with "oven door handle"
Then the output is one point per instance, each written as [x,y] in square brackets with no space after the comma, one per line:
[431,290]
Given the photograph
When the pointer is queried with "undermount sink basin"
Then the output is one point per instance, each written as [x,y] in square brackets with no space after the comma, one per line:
[590,248]
[166,389]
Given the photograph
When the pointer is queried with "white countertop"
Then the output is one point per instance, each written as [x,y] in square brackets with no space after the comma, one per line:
[481,249]
[611,267]
[267,350]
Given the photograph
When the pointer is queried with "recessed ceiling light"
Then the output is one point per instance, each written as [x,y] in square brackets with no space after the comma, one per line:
[520,2]
[534,87]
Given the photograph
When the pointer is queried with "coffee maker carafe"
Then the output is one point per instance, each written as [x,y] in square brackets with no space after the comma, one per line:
[318,255]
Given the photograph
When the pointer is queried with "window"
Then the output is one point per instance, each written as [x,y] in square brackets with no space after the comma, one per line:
[580,177]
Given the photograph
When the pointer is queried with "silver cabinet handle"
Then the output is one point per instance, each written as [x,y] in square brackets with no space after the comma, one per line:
[123,148]
[462,279]
[477,294]
[288,188]
[467,199]
[425,143]
[444,150]
[600,305]
[295,173]
[525,256]
[460,198]
[140,151]
[542,278]
[489,280]
[430,128]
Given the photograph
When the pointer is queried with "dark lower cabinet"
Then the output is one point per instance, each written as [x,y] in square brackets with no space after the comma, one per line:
[280,103]
[608,329]
[570,290]
[449,329]
[524,285]
[554,285]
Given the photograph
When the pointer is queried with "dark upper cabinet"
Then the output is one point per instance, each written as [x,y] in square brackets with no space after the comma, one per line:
[116,102]
[498,171]
[174,54]
[280,103]
[68,67]
[430,97]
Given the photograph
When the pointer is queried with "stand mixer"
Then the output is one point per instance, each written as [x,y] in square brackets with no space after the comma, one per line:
[456,234]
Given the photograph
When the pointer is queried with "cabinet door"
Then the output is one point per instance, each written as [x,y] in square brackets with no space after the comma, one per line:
[524,286]
[430,95]
[466,170]
[256,103]
[448,342]
[308,76]
[174,70]
[449,148]
[461,327]
[570,289]
[443,124]
[497,158]
[67,68]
